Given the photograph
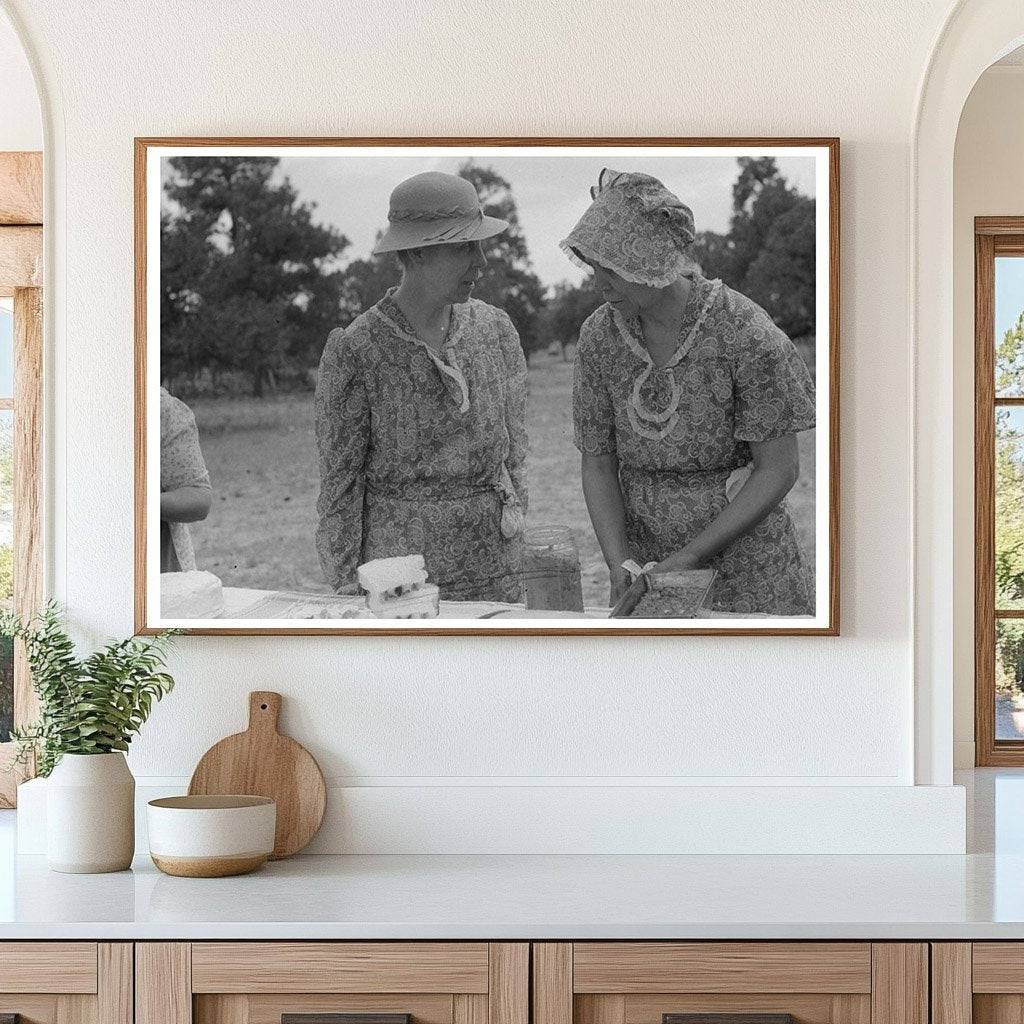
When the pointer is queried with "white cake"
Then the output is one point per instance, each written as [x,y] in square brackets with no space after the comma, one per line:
[342,612]
[422,602]
[390,577]
[397,588]
[190,595]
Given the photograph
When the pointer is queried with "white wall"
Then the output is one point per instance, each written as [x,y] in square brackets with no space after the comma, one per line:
[21,124]
[988,181]
[446,713]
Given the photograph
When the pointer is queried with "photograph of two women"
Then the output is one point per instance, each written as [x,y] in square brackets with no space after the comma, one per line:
[477,387]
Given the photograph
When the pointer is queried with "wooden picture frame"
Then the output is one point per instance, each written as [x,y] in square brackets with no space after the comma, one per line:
[148,200]
[21,271]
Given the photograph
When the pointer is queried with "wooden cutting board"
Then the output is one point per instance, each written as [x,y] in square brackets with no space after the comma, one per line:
[262,762]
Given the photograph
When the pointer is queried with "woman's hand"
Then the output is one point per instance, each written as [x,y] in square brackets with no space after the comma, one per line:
[680,561]
[776,470]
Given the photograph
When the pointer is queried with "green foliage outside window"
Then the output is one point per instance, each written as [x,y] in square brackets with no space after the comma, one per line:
[6,571]
[1009,508]
[1009,475]
[6,688]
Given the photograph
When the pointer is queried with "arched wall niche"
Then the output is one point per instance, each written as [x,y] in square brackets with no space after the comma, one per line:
[975,35]
[987,182]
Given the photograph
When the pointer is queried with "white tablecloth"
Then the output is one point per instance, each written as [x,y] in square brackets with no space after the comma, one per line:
[239,603]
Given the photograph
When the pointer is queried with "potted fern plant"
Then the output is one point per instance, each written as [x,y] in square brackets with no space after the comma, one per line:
[89,710]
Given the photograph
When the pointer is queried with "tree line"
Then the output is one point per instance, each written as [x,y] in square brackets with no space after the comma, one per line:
[251,282]
[1009,507]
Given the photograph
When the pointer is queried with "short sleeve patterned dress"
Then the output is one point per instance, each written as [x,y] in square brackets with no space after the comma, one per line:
[421,453]
[739,379]
[181,465]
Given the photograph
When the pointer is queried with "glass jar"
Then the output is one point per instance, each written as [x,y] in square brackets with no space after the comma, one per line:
[551,570]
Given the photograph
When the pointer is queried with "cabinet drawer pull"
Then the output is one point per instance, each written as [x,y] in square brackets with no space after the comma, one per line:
[728,1018]
[340,1018]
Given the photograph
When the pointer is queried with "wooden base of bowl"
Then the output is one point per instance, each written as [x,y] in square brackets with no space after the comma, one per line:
[210,867]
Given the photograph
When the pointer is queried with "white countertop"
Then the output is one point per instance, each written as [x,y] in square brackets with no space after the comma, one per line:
[979,895]
[532,897]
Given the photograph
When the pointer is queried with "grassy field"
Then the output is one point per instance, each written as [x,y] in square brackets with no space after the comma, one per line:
[262,462]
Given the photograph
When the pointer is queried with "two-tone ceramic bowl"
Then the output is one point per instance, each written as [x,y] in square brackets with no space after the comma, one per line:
[211,836]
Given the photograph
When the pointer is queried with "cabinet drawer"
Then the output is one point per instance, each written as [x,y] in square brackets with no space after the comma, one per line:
[260,982]
[66,982]
[998,967]
[635,967]
[48,967]
[270,1009]
[340,967]
[751,982]
[980,982]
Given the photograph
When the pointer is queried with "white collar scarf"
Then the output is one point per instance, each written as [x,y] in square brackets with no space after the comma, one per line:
[651,423]
[449,370]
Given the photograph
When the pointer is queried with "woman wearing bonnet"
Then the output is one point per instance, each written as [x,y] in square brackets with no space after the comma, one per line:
[420,410]
[680,382]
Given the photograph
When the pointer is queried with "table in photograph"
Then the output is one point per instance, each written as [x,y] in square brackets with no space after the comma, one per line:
[244,603]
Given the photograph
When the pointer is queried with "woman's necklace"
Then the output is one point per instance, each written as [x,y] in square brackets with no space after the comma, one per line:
[656,424]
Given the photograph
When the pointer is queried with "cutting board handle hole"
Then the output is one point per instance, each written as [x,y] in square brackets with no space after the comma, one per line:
[263,707]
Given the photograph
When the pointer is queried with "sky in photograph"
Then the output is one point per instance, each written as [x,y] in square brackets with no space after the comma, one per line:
[6,348]
[551,192]
[1009,293]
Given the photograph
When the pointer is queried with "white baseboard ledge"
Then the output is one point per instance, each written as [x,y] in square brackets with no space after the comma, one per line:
[552,819]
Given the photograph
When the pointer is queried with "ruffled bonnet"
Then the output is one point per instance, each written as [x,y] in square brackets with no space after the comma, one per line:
[636,228]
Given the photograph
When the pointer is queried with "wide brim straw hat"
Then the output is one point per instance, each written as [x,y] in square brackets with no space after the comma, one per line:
[436,209]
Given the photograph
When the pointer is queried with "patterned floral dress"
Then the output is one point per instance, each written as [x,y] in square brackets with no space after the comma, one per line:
[739,379]
[181,465]
[419,453]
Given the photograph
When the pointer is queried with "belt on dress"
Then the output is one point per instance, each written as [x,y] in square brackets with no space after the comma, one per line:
[512,515]
[437,492]
[694,477]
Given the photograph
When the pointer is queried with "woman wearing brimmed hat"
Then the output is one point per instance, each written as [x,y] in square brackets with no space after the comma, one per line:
[680,382]
[420,410]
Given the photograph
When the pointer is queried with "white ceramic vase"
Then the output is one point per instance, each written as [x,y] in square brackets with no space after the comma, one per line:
[90,814]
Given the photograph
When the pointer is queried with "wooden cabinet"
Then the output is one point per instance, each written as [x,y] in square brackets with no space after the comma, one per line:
[980,982]
[259,982]
[492,983]
[815,982]
[66,982]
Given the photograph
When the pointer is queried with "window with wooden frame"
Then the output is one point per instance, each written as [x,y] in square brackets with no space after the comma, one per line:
[999,491]
[21,364]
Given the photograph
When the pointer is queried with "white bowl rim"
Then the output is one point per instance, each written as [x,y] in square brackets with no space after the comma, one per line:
[212,802]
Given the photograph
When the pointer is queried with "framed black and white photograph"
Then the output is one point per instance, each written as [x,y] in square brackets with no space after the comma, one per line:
[538,386]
